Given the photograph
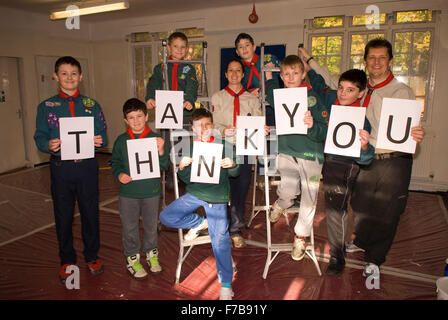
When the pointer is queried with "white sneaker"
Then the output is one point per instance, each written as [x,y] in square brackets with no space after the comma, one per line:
[298,249]
[275,213]
[152,258]
[351,247]
[194,232]
[135,268]
[225,294]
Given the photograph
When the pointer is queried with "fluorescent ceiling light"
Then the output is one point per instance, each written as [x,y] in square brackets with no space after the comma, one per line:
[108,6]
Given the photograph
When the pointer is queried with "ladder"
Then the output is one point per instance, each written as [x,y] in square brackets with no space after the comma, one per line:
[269,172]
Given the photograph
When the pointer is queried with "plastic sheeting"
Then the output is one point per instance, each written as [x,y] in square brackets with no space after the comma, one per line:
[30,264]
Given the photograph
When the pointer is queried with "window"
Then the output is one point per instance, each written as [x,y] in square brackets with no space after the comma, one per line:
[148,52]
[339,45]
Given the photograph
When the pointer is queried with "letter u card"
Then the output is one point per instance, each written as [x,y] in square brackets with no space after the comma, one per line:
[343,131]
[206,165]
[143,158]
[398,116]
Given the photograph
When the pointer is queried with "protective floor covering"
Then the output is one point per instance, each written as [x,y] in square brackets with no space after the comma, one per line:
[29,263]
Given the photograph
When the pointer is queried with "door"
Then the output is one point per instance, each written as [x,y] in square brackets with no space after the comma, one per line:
[12,143]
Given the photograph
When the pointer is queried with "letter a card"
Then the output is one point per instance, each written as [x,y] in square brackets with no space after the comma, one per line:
[169,109]
[76,136]
[250,135]
[143,158]
[343,131]
[291,104]
[398,116]
[206,165]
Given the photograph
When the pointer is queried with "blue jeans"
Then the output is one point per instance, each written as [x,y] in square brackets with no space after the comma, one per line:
[179,214]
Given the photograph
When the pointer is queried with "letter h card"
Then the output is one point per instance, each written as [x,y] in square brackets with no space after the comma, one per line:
[143,158]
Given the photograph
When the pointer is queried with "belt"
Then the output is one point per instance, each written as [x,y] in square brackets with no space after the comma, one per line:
[58,158]
[382,156]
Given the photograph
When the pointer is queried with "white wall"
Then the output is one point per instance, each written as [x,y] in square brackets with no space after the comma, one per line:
[280,22]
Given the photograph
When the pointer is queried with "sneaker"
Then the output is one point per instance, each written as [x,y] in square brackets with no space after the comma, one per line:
[225,294]
[194,232]
[371,269]
[275,213]
[135,268]
[335,267]
[95,266]
[152,258]
[63,275]
[351,247]
[298,249]
[238,241]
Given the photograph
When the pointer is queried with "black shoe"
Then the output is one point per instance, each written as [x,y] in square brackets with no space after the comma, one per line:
[335,267]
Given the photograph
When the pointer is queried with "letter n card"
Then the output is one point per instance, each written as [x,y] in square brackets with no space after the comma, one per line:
[206,165]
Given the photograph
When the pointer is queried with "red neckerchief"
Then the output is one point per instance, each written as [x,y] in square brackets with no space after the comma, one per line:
[236,102]
[145,132]
[71,103]
[253,69]
[174,84]
[389,78]
[304,84]
[211,139]
[357,103]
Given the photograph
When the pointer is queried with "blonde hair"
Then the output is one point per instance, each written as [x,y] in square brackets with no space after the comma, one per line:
[292,61]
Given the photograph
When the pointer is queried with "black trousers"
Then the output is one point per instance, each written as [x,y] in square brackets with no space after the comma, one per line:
[379,198]
[339,177]
[70,181]
[239,186]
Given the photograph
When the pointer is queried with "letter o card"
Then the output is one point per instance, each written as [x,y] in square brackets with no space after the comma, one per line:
[343,131]
[169,109]
[206,165]
[250,135]
[397,118]
[143,158]
[76,136]
[290,107]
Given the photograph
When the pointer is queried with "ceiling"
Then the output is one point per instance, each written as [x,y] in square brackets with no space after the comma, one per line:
[137,8]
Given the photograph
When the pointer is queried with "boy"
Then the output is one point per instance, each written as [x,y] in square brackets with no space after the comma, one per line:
[212,197]
[300,157]
[245,49]
[181,77]
[71,179]
[140,195]
[340,172]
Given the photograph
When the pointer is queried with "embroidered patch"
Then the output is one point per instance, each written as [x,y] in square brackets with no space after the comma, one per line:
[49,104]
[182,76]
[53,120]
[87,102]
[186,69]
[324,114]
[312,101]
[57,104]
[102,119]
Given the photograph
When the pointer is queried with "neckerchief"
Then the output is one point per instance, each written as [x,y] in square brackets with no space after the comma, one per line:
[145,132]
[253,69]
[371,88]
[71,103]
[236,102]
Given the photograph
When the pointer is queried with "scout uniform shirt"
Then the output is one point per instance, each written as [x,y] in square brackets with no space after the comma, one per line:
[252,71]
[137,189]
[59,106]
[305,146]
[181,77]
[210,192]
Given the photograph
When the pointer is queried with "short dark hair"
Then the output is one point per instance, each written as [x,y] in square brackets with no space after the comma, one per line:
[67,60]
[378,43]
[134,104]
[290,61]
[200,113]
[176,35]
[355,76]
[235,60]
[243,36]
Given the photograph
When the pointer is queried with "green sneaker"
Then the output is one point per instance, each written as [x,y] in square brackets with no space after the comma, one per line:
[152,258]
[135,267]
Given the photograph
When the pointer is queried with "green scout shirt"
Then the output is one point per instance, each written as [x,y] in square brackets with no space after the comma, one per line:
[137,189]
[305,146]
[186,79]
[209,192]
[49,111]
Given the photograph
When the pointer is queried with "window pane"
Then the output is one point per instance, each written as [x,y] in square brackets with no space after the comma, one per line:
[401,64]
[320,60]
[328,22]
[418,85]
[358,43]
[318,45]
[334,65]
[334,45]
[141,37]
[424,104]
[192,32]
[368,19]
[420,58]
[356,62]
[374,36]
[403,42]
[414,16]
